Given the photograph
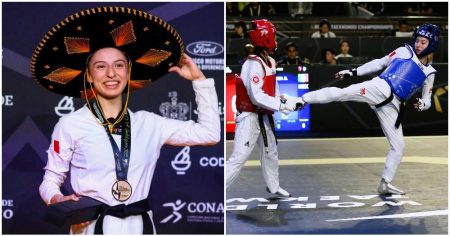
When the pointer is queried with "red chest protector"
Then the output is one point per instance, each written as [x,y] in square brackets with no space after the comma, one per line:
[243,102]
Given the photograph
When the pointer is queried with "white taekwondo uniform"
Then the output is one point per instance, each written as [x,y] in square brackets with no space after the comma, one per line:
[85,150]
[258,86]
[377,90]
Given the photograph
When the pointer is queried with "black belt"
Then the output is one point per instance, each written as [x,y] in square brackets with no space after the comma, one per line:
[401,113]
[263,128]
[388,100]
[122,211]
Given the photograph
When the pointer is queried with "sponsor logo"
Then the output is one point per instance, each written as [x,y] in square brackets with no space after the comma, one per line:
[212,161]
[173,109]
[211,212]
[204,48]
[7,213]
[176,206]
[349,201]
[205,207]
[65,106]
[7,100]
[182,161]
[426,34]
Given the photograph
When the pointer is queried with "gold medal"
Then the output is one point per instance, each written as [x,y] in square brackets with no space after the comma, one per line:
[121,190]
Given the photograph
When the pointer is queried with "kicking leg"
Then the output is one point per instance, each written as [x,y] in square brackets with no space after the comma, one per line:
[372,92]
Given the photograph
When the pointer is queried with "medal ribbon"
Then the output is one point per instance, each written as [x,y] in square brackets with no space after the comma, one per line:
[121,156]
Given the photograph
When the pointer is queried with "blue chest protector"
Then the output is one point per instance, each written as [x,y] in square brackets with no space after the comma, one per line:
[404,76]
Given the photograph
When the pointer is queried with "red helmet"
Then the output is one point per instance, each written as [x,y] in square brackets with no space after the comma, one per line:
[262,34]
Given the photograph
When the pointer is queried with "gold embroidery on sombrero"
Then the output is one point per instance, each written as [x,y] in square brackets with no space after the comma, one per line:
[120,27]
[76,45]
[124,34]
[62,75]
[153,57]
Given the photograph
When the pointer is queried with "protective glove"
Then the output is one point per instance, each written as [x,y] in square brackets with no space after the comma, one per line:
[289,104]
[420,105]
[345,74]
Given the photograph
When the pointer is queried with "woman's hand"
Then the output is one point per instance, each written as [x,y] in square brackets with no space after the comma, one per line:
[73,197]
[60,198]
[188,69]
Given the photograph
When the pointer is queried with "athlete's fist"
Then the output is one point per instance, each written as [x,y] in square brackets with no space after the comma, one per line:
[289,103]
[420,105]
[345,74]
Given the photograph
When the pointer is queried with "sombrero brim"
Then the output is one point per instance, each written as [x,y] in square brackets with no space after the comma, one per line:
[59,61]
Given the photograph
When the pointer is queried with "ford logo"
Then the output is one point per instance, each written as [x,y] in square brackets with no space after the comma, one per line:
[204,48]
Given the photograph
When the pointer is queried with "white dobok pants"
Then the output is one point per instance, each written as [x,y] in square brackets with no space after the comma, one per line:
[247,134]
[371,92]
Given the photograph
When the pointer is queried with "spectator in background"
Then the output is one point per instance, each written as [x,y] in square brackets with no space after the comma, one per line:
[344,46]
[324,30]
[300,8]
[232,9]
[292,57]
[249,50]
[329,57]
[415,8]
[241,6]
[404,29]
[419,8]
[257,9]
[240,30]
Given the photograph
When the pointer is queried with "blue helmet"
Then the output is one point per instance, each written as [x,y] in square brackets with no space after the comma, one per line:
[431,32]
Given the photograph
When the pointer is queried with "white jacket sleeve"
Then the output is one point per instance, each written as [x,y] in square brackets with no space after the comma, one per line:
[373,66]
[381,63]
[427,90]
[207,130]
[253,77]
[58,164]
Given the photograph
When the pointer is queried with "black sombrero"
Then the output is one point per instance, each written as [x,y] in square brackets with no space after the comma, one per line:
[59,61]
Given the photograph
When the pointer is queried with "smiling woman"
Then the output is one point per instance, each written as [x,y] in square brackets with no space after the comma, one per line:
[115,53]
[108,70]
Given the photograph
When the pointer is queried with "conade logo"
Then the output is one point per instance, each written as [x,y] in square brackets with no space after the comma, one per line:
[204,48]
